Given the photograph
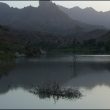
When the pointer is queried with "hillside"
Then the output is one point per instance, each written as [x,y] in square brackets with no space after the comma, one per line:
[88,15]
[48,18]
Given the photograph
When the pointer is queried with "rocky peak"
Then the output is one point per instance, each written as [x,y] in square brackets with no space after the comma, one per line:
[45,3]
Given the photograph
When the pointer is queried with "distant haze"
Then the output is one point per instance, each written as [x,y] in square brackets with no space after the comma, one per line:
[97,5]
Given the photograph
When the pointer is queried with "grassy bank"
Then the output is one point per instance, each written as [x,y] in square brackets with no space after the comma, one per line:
[7,61]
[6,57]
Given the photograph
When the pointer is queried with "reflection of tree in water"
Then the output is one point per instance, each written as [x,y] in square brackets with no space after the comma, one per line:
[74,65]
[55,91]
[75,43]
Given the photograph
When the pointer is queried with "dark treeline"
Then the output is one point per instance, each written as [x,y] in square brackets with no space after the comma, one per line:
[36,43]
[91,46]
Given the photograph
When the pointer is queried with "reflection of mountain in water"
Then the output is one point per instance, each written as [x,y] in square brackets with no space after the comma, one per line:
[30,73]
[91,74]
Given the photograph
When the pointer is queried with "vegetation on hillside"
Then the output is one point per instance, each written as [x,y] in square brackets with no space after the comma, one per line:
[14,43]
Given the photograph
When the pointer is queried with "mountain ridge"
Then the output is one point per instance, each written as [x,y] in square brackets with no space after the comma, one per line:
[88,15]
[50,19]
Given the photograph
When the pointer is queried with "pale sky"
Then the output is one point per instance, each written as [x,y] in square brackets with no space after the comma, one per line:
[97,5]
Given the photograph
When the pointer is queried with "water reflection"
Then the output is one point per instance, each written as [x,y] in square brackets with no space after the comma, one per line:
[87,74]
[90,74]
[29,73]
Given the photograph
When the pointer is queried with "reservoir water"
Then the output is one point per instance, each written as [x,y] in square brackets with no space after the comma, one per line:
[88,73]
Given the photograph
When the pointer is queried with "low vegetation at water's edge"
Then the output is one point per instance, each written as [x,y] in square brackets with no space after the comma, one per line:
[56,91]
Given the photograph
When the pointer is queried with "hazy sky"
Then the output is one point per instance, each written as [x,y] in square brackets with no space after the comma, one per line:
[97,5]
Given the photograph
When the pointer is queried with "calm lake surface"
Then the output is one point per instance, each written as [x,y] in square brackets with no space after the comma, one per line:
[88,73]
